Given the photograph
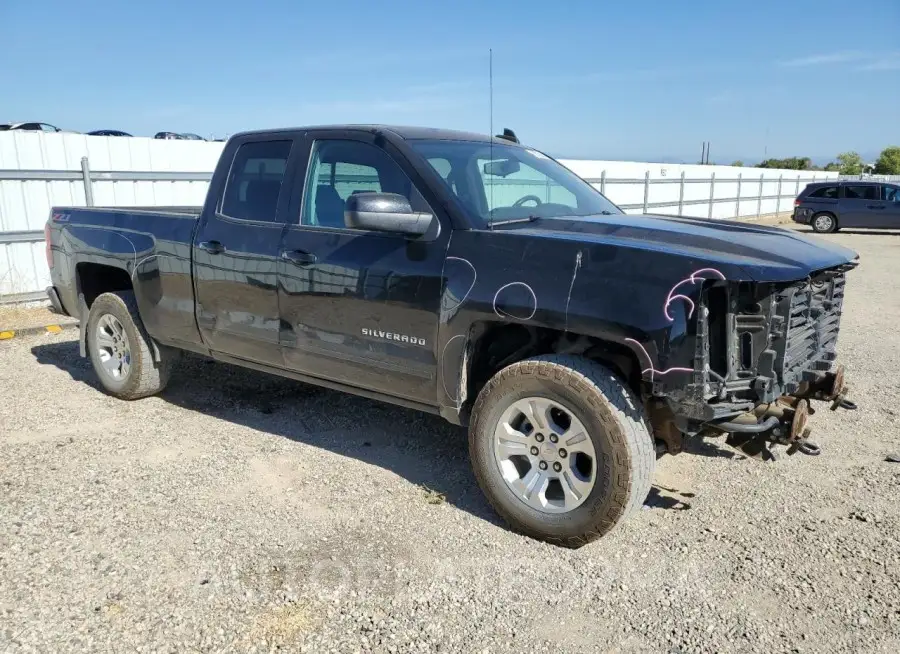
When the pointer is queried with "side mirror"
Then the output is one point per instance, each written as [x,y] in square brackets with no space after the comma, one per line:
[502,168]
[385,212]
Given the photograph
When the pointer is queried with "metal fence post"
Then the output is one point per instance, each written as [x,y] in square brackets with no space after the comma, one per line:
[778,201]
[88,188]
[548,190]
[712,193]
[646,189]
[797,189]
[759,200]
[681,195]
[737,207]
[603,182]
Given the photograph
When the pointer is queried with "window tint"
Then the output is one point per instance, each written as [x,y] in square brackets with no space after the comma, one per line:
[861,192]
[341,168]
[29,126]
[891,193]
[255,180]
[825,192]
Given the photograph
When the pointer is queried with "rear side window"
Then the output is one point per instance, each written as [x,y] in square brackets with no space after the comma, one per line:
[830,192]
[861,192]
[255,181]
[892,193]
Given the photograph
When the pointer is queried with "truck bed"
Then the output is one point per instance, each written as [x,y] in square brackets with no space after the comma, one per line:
[180,210]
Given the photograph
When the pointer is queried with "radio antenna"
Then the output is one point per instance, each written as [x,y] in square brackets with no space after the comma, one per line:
[491,132]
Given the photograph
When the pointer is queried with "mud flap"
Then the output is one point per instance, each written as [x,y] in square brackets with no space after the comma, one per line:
[83,312]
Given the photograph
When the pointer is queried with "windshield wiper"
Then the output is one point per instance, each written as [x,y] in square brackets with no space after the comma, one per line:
[513,221]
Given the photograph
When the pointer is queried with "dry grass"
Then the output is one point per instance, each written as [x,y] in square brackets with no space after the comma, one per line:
[15,317]
[282,625]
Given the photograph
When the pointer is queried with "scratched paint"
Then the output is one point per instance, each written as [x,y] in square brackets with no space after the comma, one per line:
[505,298]
[461,277]
[454,365]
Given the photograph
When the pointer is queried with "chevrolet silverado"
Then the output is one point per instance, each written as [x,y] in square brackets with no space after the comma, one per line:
[479,279]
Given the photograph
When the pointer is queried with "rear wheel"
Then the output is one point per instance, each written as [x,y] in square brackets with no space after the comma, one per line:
[120,349]
[561,448]
[824,223]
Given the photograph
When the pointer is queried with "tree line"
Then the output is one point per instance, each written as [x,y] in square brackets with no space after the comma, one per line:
[846,163]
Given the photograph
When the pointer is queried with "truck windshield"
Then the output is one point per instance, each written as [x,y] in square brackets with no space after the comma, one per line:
[502,182]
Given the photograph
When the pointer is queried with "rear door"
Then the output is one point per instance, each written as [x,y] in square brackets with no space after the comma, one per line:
[235,252]
[360,307]
[860,206]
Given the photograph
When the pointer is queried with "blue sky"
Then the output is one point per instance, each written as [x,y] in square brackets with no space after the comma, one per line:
[580,78]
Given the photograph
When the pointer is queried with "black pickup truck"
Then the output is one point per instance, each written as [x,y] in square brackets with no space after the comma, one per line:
[475,278]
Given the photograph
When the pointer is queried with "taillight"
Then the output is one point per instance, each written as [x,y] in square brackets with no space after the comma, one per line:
[797,202]
[47,252]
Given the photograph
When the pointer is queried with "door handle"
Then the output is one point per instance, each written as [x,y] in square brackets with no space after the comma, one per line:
[213,247]
[299,257]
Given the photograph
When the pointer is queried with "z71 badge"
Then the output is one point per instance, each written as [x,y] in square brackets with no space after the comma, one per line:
[391,336]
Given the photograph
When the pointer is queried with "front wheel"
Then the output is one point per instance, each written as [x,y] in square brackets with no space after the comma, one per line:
[120,351]
[561,448]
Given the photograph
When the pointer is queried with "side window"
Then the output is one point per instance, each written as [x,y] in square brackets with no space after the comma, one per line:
[891,193]
[338,169]
[255,181]
[861,192]
[830,192]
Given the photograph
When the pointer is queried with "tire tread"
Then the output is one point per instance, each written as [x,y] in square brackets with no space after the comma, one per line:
[600,388]
[148,377]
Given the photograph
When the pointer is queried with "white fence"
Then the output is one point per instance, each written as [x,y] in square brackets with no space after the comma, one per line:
[38,171]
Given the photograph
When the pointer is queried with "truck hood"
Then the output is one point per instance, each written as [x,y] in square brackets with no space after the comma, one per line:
[764,253]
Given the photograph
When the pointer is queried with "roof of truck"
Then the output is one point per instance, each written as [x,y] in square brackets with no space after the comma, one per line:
[405,132]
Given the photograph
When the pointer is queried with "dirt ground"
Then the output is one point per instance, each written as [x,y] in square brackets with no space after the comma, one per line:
[240,512]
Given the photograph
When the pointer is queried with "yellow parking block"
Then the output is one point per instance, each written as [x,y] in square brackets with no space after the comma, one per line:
[6,335]
[54,329]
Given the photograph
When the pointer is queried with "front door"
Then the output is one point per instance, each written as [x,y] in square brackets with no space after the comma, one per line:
[859,206]
[360,307]
[890,196]
[236,251]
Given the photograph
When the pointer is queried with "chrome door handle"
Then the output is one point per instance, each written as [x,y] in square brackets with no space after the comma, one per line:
[299,257]
[213,247]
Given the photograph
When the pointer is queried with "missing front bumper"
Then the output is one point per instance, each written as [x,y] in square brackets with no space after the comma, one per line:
[785,422]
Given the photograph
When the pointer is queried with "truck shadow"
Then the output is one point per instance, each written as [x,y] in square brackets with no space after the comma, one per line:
[424,449]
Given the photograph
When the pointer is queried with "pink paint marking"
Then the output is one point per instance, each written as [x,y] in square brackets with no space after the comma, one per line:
[686,299]
[653,371]
[692,279]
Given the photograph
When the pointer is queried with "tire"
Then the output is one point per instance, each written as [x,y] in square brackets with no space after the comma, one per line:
[613,418]
[143,376]
[828,223]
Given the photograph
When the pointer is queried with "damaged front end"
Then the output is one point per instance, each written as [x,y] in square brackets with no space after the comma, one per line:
[763,353]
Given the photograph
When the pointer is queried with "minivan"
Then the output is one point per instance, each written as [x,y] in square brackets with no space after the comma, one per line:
[829,206]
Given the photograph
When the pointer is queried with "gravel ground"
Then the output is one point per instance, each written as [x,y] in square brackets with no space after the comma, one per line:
[240,512]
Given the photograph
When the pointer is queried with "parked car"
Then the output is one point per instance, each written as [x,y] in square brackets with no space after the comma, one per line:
[108,132]
[188,136]
[30,127]
[168,136]
[829,206]
[574,341]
